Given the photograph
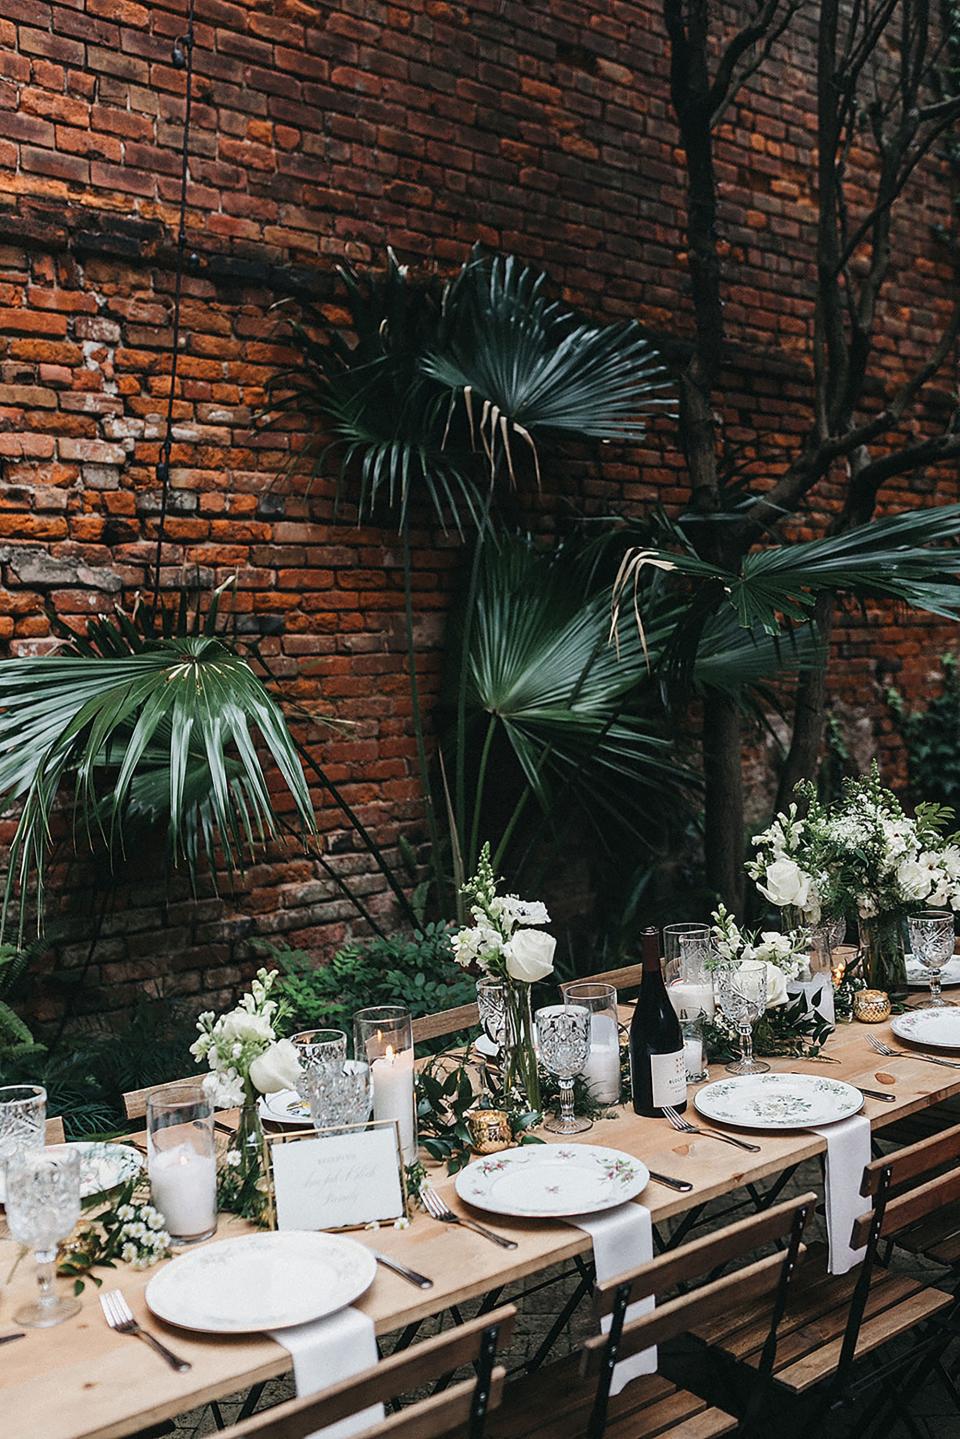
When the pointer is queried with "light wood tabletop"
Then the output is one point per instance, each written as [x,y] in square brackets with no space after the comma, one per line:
[81,1381]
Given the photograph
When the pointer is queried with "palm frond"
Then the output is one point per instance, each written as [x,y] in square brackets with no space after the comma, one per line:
[907,557]
[164,732]
[525,366]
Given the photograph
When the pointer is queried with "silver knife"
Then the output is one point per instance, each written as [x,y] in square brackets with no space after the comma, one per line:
[679,1184]
[9,1338]
[877,1094]
[411,1275]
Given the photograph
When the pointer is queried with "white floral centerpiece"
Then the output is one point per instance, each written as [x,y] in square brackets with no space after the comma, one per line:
[861,854]
[505,940]
[246,1058]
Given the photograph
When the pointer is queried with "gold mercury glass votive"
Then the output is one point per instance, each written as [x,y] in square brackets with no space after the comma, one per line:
[490,1130]
[871,1006]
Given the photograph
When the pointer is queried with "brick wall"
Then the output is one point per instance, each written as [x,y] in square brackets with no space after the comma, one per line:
[324,131]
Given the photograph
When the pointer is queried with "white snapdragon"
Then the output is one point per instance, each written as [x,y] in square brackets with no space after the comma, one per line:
[241,1047]
[505,937]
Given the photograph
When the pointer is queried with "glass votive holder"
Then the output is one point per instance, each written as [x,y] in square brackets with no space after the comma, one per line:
[339,1095]
[672,935]
[383,1036]
[602,1069]
[317,1048]
[182,1161]
[23,1115]
[691,993]
[694,1053]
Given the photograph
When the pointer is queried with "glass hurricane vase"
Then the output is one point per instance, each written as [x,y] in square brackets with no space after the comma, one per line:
[881,953]
[520,1073]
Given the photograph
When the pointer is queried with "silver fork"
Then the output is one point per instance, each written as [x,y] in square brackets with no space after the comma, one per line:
[438,1209]
[119,1315]
[878,1046]
[685,1127]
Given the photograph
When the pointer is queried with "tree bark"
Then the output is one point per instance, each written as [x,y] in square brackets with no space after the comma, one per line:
[809,710]
[724,840]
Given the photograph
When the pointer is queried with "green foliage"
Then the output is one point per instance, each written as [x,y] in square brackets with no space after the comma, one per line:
[16,1040]
[149,729]
[932,739]
[417,970]
[88,1072]
[436,376]
[789,1030]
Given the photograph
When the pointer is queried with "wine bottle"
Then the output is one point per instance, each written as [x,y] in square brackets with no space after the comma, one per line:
[657,1068]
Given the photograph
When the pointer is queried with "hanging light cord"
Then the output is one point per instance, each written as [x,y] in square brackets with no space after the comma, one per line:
[183,60]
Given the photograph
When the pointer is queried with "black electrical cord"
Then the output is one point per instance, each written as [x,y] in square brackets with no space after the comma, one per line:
[182,60]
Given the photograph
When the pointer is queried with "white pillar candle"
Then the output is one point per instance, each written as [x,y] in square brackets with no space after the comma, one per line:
[602,1069]
[184,1187]
[393,1096]
[693,1055]
[690,1000]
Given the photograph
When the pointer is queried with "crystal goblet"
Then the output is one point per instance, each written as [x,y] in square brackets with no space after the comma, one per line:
[932,941]
[563,1034]
[43,1205]
[742,996]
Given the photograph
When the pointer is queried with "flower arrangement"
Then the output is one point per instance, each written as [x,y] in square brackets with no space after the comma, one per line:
[505,938]
[505,941]
[862,854]
[130,1230]
[242,1048]
[246,1057]
[784,954]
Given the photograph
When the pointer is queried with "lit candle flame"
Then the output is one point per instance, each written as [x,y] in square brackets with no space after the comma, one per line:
[389,1054]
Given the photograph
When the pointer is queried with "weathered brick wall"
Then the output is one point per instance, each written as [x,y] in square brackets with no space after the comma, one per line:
[325,131]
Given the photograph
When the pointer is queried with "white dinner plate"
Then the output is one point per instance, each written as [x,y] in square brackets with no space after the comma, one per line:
[102,1166]
[938,1028]
[284,1107]
[778,1101]
[261,1281]
[919,978]
[552,1181]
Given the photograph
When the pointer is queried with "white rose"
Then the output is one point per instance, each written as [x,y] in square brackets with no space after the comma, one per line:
[913,879]
[277,1068]
[529,955]
[241,1024]
[786,884]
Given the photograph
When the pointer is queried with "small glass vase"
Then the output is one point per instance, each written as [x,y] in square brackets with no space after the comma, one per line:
[247,1194]
[881,953]
[520,1073]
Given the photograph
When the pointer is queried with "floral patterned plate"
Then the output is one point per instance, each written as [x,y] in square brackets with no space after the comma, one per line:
[778,1101]
[103,1166]
[261,1281]
[284,1107]
[939,1028]
[552,1181]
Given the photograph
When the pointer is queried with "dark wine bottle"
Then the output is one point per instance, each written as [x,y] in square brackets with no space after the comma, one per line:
[657,1068]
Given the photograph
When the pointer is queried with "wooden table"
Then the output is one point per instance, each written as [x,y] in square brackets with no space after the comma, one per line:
[81,1381]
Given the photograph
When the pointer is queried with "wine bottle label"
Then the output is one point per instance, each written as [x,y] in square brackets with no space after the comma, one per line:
[668,1075]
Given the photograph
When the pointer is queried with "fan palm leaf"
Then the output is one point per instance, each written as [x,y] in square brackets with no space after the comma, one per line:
[164,733]
[907,557]
[524,365]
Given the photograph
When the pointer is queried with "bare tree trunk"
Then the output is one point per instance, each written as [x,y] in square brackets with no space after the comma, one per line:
[809,710]
[723,799]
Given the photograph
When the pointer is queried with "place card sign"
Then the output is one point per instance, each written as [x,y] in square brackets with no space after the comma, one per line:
[344,1180]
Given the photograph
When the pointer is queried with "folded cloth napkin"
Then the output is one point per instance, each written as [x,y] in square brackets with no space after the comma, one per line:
[848,1152]
[328,1350]
[622,1240]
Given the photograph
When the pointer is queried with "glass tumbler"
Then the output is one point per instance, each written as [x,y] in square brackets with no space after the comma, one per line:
[182,1161]
[602,1068]
[339,1095]
[316,1049]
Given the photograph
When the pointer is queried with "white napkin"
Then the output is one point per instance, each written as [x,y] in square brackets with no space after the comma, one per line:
[848,1152]
[328,1350]
[622,1240]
